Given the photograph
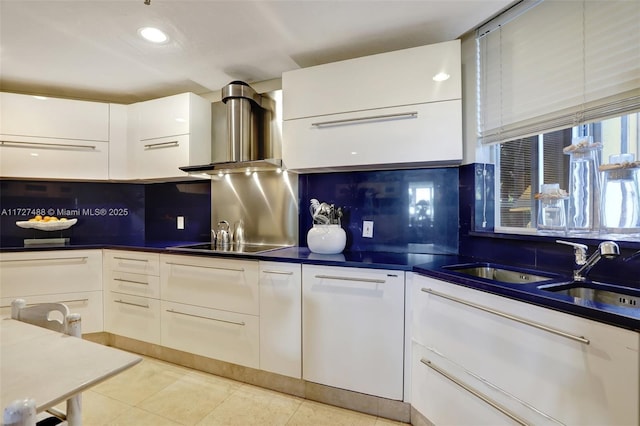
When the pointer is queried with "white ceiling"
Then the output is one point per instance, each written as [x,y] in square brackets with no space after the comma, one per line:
[90,48]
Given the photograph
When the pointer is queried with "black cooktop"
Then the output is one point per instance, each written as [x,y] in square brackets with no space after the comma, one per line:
[232,248]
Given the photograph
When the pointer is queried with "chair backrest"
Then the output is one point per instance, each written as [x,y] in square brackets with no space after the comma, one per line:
[40,315]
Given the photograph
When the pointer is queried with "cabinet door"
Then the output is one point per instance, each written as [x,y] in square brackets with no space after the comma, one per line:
[281,318]
[227,284]
[402,77]
[572,369]
[403,136]
[353,329]
[164,117]
[163,157]
[132,316]
[52,118]
[222,335]
[47,272]
[88,304]
[44,158]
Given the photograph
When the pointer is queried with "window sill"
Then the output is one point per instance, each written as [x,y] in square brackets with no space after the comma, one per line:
[531,235]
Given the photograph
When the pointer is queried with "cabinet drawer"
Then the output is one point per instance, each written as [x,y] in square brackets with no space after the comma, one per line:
[132,316]
[534,364]
[46,158]
[231,285]
[217,334]
[50,272]
[134,284]
[88,304]
[402,77]
[132,261]
[402,135]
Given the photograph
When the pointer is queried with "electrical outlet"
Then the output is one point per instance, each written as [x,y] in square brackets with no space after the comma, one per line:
[367,229]
[180,222]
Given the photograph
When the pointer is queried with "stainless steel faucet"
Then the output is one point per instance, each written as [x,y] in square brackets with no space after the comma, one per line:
[606,249]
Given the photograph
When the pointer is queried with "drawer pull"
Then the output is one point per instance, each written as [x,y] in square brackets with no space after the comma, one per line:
[474,392]
[46,259]
[363,280]
[207,267]
[242,323]
[130,281]
[580,339]
[139,305]
[161,145]
[57,301]
[130,258]
[278,272]
[369,118]
[60,146]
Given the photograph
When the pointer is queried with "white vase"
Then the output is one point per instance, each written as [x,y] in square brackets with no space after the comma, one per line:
[326,239]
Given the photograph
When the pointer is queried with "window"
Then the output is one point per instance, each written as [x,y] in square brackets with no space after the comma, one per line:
[549,72]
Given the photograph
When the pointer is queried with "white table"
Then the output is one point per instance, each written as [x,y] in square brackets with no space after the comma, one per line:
[51,367]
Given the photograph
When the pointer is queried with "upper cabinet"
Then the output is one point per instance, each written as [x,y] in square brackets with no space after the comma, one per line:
[167,133]
[53,138]
[401,108]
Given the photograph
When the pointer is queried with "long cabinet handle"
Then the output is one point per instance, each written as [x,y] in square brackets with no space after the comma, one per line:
[474,392]
[40,259]
[139,305]
[130,258]
[539,326]
[161,145]
[130,281]
[368,118]
[278,272]
[363,280]
[57,301]
[207,267]
[242,323]
[48,145]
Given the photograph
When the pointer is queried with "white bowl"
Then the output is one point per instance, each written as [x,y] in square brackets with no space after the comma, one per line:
[326,239]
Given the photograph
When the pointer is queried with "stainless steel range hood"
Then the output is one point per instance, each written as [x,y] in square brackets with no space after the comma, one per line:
[246,133]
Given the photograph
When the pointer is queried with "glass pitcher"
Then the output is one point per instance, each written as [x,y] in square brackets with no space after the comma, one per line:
[583,215]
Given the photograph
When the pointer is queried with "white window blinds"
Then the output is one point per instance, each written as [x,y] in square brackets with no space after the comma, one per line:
[556,65]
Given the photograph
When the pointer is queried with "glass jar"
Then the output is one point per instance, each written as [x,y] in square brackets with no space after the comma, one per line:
[583,213]
[620,210]
[552,217]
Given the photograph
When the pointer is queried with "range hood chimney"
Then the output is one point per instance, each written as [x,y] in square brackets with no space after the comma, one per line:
[250,142]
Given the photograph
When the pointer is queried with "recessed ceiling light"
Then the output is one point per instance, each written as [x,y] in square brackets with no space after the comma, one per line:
[153,35]
[442,76]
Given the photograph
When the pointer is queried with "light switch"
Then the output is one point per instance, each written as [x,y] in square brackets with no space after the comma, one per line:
[180,222]
[367,229]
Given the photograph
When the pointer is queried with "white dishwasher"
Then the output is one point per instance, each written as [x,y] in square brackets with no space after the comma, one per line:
[353,329]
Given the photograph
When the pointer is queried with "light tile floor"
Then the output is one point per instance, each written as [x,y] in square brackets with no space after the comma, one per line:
[158,393]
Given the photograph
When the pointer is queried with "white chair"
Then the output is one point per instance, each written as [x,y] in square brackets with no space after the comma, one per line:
[20,413]
[44,315]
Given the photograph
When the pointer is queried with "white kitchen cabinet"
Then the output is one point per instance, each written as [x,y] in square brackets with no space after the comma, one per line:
[353,329]
[223,335]
[168,133]
[70,276]
[132,294]
[375,111]
[540,365]
[281,318]
[50,138]
[210,307]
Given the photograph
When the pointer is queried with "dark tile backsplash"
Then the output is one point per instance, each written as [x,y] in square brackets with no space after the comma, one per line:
[107,213]
[412,210]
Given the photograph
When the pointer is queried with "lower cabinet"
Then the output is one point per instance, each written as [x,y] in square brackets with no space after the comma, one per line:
[280,318]
[73,277]
[500,361]
[210,307]
[353,329]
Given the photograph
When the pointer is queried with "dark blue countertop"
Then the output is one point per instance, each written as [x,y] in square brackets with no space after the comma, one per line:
[432,265]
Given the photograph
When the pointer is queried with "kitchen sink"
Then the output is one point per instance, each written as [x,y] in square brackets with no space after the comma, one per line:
[596,293]
[498,273]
